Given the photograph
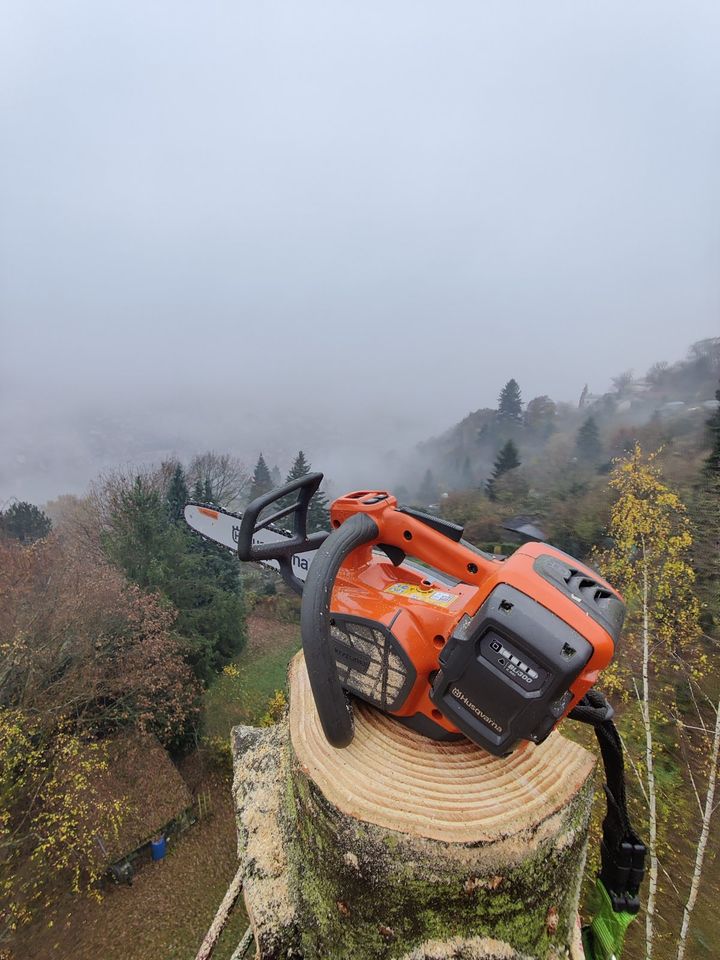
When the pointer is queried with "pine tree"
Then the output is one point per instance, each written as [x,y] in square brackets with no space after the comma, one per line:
[25,522]
[208,491]
[318,511]
[510,403]
[588,443]
[300,468]
[275,476]
[177,494]
[428,492]
[261,482]
[507,459]
[198,490]
[200,579]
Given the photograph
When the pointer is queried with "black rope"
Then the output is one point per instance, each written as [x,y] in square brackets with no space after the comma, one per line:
[622,851]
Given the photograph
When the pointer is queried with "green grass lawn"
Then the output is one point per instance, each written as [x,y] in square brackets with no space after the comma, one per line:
[241,694]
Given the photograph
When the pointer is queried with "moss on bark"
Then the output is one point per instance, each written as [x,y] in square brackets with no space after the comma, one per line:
[321,884]
[367,892]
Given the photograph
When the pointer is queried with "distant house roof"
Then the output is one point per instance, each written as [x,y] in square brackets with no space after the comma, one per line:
[525,527]
[141,771]
[589,399]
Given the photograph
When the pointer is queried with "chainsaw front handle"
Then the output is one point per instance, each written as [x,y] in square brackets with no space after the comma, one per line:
[332,704]
[285,551]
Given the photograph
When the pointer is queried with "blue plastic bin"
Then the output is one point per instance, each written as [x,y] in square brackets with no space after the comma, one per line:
[158,848]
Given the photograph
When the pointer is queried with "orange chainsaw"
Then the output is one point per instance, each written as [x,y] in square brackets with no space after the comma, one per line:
[402,612]
[399,610]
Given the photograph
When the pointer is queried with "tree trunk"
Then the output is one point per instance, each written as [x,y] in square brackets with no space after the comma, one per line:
[649,759]
[704,834]
[400,847]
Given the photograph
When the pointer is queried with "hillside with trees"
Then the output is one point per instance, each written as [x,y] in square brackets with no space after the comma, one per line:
[120,626]
[671,399]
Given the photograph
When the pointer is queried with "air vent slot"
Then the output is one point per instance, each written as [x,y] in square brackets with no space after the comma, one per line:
[599,602]
[589,590]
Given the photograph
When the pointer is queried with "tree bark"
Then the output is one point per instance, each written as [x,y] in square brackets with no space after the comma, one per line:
[400,848]
[650,762]
[704,834]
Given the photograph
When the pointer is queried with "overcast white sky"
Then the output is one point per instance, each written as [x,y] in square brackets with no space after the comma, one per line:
[378,211]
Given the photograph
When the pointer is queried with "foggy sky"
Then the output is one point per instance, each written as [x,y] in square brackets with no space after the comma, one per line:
[341,225]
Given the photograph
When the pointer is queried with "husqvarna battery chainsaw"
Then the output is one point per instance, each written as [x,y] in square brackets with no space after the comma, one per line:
[399,610]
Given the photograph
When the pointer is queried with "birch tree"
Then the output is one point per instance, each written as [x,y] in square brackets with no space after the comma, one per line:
[649,563]
[707,809]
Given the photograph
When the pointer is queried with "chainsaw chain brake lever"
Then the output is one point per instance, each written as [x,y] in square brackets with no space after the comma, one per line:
[297,542]
[332,705]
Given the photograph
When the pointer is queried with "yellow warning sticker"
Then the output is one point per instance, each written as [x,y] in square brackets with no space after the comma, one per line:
[439,598]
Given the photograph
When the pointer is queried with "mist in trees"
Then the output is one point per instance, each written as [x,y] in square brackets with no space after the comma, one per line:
[178,494]
[506,460]
[318,511]
[428,491]
[510,403]
[540,417]
[706,523]
[261,479]
[220,473]
[588,443]
[547,460]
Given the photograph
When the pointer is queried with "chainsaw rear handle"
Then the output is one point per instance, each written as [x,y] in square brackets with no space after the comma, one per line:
[332,705]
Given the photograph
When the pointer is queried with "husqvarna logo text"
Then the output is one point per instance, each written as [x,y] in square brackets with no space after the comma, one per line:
[459,695]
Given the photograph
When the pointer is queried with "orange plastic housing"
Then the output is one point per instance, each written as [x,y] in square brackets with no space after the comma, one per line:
[369,585]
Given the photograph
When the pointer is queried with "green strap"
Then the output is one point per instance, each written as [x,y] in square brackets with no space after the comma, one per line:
[604,938]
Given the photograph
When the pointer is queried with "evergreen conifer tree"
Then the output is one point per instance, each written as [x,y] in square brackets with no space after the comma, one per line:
[261,481]
[198,489]
[200,579]
[428,492]
[318,511]
[177,494]
[588,443]
[510,403]
[299,468]
[507,459]
[25,522]
[275,476]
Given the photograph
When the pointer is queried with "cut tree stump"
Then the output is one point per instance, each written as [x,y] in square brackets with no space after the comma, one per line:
[400,847]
